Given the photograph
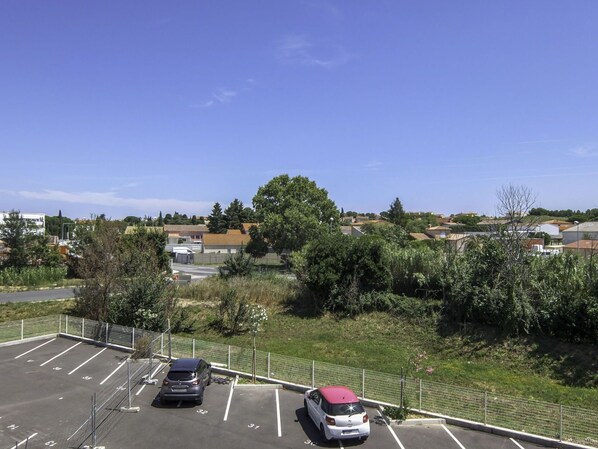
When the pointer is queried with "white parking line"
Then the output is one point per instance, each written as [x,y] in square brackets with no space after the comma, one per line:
[31,350]
[113,372]
[453,437]
[516,443]
[63,352]
[151,377]
[87,361]
[24,441]
[278,414]
[340,444]
[230,398]
[392,432]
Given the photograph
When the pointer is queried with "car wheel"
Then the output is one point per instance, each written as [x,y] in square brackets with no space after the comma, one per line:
[210,379]
[323,432]
[199,399]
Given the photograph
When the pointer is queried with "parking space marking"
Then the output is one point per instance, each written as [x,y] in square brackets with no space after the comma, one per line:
[113,372]
[26,440]
[63,352]
[392,432]
[87,361]
[340,444]
[453,436]
[516,443]
[278,414]
[31,350]
[151,377]
[230,398]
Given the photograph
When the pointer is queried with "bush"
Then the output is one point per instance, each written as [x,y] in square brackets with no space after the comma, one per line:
[32,276]
[233,313]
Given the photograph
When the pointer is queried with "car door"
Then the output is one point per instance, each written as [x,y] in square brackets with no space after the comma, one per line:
[313,405]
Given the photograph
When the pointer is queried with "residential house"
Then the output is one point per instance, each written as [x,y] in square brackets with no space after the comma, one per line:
[224,243]
[585,248]
[581,231]
[36,223]
[178,234]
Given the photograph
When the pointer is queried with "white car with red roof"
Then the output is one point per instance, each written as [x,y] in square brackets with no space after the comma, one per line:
[337,413]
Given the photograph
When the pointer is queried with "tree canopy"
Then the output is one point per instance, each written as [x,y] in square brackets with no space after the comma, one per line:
[292,211]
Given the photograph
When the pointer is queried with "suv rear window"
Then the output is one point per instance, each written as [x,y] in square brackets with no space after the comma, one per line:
[180,375]
[353,408]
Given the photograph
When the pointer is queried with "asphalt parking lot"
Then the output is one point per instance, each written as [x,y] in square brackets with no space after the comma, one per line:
[47,385]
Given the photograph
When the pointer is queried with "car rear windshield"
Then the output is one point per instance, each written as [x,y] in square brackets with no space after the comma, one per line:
[346,409]
[180,375]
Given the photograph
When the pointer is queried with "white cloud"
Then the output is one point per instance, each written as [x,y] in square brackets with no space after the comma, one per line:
[110,199]
[373,164]
[220,96]
[584,151]
[299,50]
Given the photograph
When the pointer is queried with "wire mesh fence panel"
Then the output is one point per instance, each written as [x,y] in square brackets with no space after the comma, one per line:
[10,331]
[261,363]
[525,415]
[580,426]
[451,400]
[382,387]
[241,359]
[35,327]
[73,326]
[119,335]
[182,347]
[331,374]
[291,369]
[411,392]
[212,352]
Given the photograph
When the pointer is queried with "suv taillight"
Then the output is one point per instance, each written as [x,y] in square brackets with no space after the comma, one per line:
[366,418]
[330,421]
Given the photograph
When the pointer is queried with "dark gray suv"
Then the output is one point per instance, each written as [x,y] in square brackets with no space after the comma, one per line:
[186,381]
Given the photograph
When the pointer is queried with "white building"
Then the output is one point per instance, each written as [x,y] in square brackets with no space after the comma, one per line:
[36,223]
[582,231]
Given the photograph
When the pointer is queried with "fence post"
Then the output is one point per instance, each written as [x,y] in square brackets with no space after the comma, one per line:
[561,423]
[22,328]
[60,323]
[169,341]
[193,349]
[133,339]
[268,366]
[485,407]
[402,382]
[66,325]
[313,374]
[363,383]
[420,394]
[162,343]
[93,420]
[83,327]
[106,334]
[228,358]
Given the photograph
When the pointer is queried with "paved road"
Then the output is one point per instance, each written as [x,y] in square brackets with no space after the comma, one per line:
[197,273]
[37,295]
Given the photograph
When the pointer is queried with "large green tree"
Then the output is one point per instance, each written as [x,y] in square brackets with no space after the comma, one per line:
[125,277]
[293,211]
[234,215]
[395,214]
[14,233]
[216,221]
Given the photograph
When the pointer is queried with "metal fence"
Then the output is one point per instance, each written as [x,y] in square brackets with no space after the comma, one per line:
[536,417]
[101,412]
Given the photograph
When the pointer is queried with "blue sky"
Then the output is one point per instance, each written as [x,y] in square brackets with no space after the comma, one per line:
[132,107]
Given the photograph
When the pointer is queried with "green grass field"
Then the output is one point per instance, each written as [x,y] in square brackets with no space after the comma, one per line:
[530,367]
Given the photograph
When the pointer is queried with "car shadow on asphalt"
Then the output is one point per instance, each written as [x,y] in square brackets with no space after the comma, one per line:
[313,434]
[157,403]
